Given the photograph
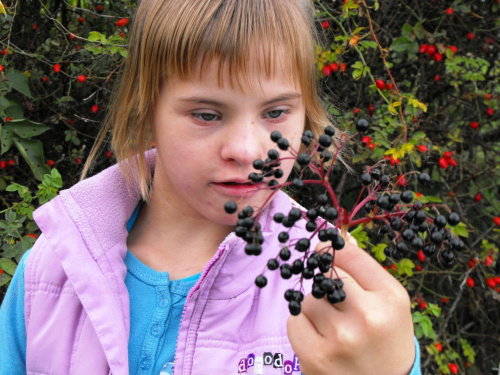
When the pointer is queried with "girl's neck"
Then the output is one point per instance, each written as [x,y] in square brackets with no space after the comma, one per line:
[166,239]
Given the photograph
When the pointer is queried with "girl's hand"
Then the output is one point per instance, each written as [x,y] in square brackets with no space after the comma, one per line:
[371,332]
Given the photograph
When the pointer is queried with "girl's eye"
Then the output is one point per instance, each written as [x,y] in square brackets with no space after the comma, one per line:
[208,117]
[276,113]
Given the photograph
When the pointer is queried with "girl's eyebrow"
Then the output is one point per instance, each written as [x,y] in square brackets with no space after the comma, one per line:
[203,100]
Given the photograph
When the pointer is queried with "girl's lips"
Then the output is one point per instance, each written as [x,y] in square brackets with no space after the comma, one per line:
[237,189]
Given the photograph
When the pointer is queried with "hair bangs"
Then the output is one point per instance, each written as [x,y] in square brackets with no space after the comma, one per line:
[243,35]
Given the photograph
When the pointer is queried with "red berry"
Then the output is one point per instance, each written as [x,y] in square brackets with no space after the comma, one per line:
[370,109]
[333,67]
[401,180]
[474,124]
[11,162]
[1,68]
[389,86]
[342,67]
[353,41]
[418,267]
[488,260]
[452,162]
[489,111]
[488,96]
[78,47]
[56,68]
[443,163]
[421,256]
[453,49]
[371,146]
[35,26]
[109,154]
[78,160]
[423,48]
[431,50]
[100,8]
[438,57]
[470,282]
[439,347]
[325,25]
[72,36]
[1,271]
[94,108]
[50,163]
[437,77]
[380,84]
[3,164]
[422,305]
[449,11]
[496,220]
[122,34]
[422,148]
[496,279]
[447,154]
[470,36]
[81,78]
[445,300]
[81,20]
[478,197]
[45,79]
[366,139]
[453,368]
[356,111]
[7,119]
[326,70]
[71,121]
[122,22]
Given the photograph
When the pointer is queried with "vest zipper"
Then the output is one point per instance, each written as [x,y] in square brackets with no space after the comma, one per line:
[196,287]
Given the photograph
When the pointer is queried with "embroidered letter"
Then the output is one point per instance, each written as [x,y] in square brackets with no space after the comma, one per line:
[268,359]
[278,360]
[242,366]
[288,368]
[259,367]
[296,366]
[250,360]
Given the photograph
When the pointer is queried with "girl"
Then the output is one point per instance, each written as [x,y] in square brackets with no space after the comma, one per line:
[138,267]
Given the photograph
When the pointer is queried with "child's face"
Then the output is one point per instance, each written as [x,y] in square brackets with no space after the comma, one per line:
[208,136]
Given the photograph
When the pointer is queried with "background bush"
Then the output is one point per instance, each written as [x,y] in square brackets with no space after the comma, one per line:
[425,73]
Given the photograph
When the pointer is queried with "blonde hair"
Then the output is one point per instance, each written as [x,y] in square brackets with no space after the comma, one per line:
[169,37]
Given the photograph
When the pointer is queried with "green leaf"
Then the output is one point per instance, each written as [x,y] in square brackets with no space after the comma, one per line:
[401,44]
[459,230]
[405,266]
[434,310]
[25,128]
[379,252]
[32,152]
[19,82]
[6,139]
[360,235]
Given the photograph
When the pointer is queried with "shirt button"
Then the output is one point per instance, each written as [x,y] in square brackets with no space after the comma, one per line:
[145,364]
[156,330]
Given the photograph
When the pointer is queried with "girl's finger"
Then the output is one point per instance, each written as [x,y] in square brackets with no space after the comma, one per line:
[367,272]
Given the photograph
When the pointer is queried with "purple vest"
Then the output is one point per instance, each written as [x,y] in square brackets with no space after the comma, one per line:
[77,305]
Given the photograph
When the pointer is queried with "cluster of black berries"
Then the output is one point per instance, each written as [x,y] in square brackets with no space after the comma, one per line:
[407,225]
[247,228]
[310,264]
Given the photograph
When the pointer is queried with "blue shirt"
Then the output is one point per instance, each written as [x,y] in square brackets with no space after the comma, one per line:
[156,306]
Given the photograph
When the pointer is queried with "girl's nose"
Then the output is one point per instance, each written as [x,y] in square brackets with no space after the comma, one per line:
[243,142]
